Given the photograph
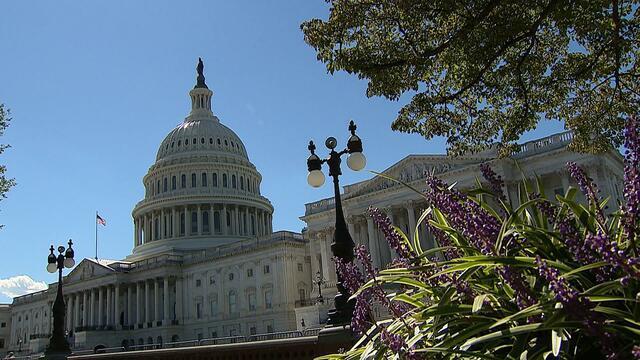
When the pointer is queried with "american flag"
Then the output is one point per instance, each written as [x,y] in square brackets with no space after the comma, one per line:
[100,220]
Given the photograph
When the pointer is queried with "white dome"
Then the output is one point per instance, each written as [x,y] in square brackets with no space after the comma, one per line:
[203,136]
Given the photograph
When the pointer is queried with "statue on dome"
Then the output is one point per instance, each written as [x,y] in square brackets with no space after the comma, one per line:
[200,69]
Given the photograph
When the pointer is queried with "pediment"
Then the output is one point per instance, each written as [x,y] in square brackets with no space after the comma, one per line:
[407,170]
[87,269]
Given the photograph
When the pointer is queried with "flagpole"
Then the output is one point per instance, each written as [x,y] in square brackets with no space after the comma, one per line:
[96,221]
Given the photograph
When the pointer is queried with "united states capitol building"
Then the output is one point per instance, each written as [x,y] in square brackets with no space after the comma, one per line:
[206,262]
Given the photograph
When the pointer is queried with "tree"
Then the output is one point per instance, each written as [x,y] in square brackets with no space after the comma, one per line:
[5,183]
[485,71]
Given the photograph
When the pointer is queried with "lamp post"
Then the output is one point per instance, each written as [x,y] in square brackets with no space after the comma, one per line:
[342,245]
[58,347]
[319,281]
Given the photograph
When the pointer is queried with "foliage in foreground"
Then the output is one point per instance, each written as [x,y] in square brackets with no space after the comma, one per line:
[5,183]
[552,278]
[485,70]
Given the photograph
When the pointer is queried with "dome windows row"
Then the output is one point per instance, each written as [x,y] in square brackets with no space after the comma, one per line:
[215,143]
[202,180]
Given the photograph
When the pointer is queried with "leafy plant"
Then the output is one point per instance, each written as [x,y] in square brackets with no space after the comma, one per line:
[550,278]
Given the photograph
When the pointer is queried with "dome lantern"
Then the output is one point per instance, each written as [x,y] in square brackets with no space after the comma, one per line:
[200,97]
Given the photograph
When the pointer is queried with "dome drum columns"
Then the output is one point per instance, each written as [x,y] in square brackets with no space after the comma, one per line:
[207,219]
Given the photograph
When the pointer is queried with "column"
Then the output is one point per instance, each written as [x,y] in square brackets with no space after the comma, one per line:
[373,243]
[156,301]
[174,222]
[199,220]
[153,226]
[270,223]
[236,228]
[138,303]
[147,302]
[325,255]
[100,321]
[223,219]
[411,215]
[135,232]
[116,306]
[129,320]
[247,221]
[85,308]
[179,299]
[76,310]
[109,309]
[352,229]
[92,308]
[166,301]
[69,312]
[186,221]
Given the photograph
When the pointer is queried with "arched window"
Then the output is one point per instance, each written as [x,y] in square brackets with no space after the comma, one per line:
[193,180]
[158,187]
[204,179]
[173,182]
[224,180]
[218,141]
[214,179]
[241,182]
[183,181]
[216,222]
[156,229]
[201,140]
[186,142]
[233,299]
[211,141]
[194,222]
[248,187]
[182,224]
[233,181]
[195,141]
[253,224]
[205,222]
[165,185]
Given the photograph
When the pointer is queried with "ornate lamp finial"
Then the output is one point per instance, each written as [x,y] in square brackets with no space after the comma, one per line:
[200,70]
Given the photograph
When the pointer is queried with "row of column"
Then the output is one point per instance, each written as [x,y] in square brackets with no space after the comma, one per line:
[127,304]
[175,222]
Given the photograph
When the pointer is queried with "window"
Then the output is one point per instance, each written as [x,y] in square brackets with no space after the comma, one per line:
[4,324]
[194,222]
[201,140]
[198,310]
[214,179]
[233,181]
[300,268]
[205,221]
[251,299]
[210,140]
[218,141]
[230,276]
[268,297]
[212,280]
[200,336]
[214,334]
[224,180]
[193,180]
[214,305]
[173,182]
[226,143]
[179,142]
[216,221]
[164,223]
[183,181]
[248,187]
[1,343]
[195,141]
[204,179]
[301,294]
[249,272]
[158,187]
[186,141]
[252,330]
[198,282]
[267,269]
[269,328]
[156,229]
[165,185]
[232,301]
[241,183]
[182,224]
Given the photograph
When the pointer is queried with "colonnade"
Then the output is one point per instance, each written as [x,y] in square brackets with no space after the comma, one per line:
[140,304]
[201,220]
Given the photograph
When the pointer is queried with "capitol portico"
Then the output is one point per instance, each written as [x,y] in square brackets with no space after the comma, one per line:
[206,263]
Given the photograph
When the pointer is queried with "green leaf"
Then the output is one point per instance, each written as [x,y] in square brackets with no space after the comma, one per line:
[556,342]
[478,302]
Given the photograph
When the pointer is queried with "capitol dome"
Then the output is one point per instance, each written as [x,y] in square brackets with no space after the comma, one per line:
[202,191]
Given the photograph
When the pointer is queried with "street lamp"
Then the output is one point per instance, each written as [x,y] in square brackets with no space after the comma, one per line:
[342,245]
[319,281]
[58,346]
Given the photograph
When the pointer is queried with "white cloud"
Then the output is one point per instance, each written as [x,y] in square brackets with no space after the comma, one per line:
[20,285]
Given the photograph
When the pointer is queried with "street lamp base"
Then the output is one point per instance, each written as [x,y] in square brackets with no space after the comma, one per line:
[337,336]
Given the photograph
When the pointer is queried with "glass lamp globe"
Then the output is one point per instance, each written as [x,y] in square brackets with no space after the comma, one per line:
[315,178]
[52,268]
[69,262]
[356,161]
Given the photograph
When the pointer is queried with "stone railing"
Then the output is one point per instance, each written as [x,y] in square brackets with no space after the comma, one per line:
[545,144]
[320,206]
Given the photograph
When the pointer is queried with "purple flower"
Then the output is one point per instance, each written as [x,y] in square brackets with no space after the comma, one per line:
[397,345]
[631,208]
[587,186]
[361,320]
[351,276]
[609,251]
[517,282]
[391,234]
[495,181]
[636,352]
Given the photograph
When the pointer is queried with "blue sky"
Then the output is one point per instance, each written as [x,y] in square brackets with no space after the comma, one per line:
[95,86]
